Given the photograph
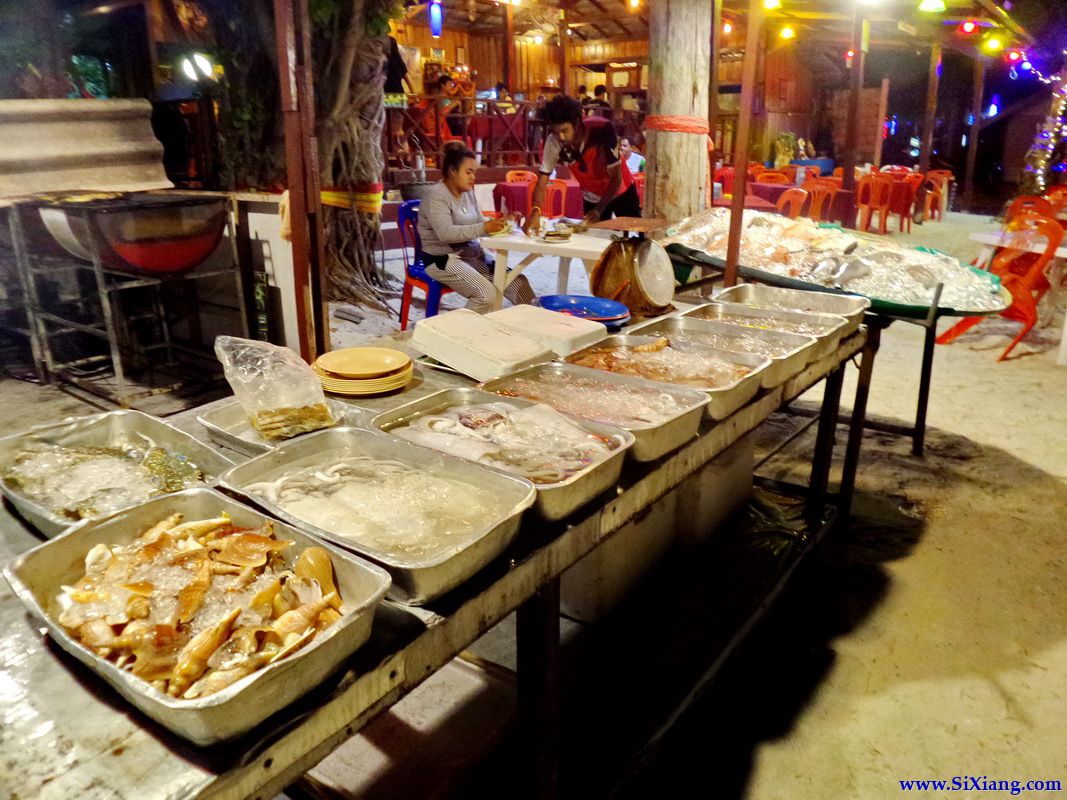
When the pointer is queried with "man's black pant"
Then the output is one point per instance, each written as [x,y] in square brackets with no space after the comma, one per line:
[627,204]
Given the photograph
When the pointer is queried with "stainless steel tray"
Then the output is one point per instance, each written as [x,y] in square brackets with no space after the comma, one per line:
[101,430]
[851,307]
[36,577]
[650,441]
[228,426]
[722,400]
[797,350]
[415,581]
[825,343]
[554,500]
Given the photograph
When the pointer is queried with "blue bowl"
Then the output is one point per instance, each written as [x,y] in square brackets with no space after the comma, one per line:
[585,306]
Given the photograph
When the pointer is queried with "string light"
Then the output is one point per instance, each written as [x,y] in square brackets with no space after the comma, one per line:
[993,44]
[967,27]
[787,33]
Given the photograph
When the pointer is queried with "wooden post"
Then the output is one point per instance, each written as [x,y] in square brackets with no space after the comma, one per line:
[564,55]
[509,46]
[852,132]
[883,108]
[677,162]
[713,76]
[744,124]
[932,82]
[293,34]
[978,90]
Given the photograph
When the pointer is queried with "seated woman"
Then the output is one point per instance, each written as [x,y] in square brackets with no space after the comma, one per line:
[450,224]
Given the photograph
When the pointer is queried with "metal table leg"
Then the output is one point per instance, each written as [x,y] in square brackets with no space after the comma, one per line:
[918,438]
[856,425]
[537,645]
[824,445]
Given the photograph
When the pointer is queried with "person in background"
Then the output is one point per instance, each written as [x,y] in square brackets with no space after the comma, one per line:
[590,148]
[632,158]
[503,98]
[396,71]
[599,104]
[450,225]
[583,94]
[450,106]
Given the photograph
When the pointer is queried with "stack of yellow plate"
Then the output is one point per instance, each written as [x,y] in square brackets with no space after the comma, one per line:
[363,370]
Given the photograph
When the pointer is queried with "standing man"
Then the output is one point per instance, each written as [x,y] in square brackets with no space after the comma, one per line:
[599,104]
[591,149]
[583,94]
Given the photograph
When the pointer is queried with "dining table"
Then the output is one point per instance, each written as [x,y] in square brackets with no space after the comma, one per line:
[842,210]
[753,202]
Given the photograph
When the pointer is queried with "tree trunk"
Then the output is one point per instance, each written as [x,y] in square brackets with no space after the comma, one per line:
[352,114]
[680,58]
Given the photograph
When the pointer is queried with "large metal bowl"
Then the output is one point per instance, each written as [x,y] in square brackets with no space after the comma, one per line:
[415,580]
[36,577]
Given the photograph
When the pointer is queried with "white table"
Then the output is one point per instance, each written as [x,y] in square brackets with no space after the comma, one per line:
[991,241]
[583,246]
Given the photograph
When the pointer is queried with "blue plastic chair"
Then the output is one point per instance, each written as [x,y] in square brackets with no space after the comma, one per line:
[415,270]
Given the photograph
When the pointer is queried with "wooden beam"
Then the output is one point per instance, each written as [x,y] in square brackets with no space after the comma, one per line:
[933,81]
[713,80]
[507,63]
[753,37]
[564,54]
[859,47]
[977,92]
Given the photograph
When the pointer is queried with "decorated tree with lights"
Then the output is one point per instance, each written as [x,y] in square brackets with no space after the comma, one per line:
[1046,161]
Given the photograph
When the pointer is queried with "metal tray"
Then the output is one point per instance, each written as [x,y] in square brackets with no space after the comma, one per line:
[722,400]
[415,581]
[228,426]
[36,577]
[850,306]
[825,344]
[554,500]
[797,353]
[650,441]
[101,430]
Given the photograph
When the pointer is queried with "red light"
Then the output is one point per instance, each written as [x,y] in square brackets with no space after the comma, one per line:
[1014,55]
[968,27]
[849,55]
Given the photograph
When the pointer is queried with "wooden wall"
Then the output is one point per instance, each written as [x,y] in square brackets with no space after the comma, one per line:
[789,96]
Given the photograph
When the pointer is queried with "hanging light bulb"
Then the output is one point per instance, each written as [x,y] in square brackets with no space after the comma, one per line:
[727,28]
[787,33]
[1016,55]
[771,5]
[437,18]
[932,6]
[539,39]
[967,27]
[993,44]
[635,3]
[189,69]
[202,62]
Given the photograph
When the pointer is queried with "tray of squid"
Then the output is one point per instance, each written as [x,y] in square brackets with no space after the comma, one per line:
[431,519]
[729,379]
[662,418]
[203,613]
[569,461]
[789,352]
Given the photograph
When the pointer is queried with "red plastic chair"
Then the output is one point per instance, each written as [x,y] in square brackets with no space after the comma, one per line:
[823,194]
[555,189]
[772,177]
[415,276]
[790,203]
[895,169]
[1029,203]
[812,172]
[1021,272]
[520,176]
[873,194]
[1057,195]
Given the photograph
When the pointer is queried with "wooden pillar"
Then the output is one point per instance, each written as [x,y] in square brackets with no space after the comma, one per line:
[741,137]
[859,48]
[932,82]
[883,110]
[974,132]
[676,162]
[564,54]
[293,36]
[713,73]
[509,46]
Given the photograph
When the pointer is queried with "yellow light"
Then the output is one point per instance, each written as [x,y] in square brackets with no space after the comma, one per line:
[727,28]
[538,39]
[770,5]
[635,3]
[993,44]
[787,33]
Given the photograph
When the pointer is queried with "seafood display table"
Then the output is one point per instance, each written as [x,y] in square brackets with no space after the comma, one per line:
[65,734]
[581,246]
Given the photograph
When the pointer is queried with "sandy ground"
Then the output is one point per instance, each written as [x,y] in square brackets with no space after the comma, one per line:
[932,642]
